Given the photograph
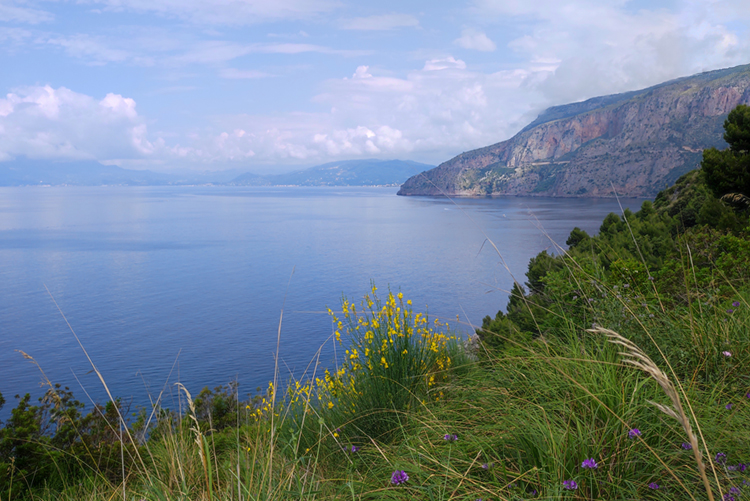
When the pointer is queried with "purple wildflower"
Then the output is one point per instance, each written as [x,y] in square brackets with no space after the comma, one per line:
[653,485]
[720,458]
[727,353]
[736,304]
[687,446]
[729,497]
[747,395]
[734,490]
[450,438]
[589,464]
[730,310]
[635,432]
[533,493]
[650,278]
[570,485]
[399,477]
[728,406]
[355,448]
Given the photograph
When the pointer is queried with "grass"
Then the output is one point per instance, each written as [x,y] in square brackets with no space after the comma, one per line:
[518,421]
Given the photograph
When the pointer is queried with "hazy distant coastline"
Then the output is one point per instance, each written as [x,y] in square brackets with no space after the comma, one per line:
[369,172]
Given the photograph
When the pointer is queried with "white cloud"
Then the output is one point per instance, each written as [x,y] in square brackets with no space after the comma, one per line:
[10,11]
[596,47]
[94,50]
[124,106]
[383,22]
[43,122]
[218,51]
[445,63]
[475,40]
[234,73]
[15,35]
[433,112]
[225,12]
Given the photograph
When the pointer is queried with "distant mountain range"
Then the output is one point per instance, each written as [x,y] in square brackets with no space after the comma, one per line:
[632,144]
[25,172]
[347,173]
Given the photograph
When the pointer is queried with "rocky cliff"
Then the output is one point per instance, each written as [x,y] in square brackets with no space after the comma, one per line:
[636,143]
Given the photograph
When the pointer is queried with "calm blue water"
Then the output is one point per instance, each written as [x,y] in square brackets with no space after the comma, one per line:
[146,274]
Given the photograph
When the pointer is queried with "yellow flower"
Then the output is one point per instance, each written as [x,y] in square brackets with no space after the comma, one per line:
[330,405]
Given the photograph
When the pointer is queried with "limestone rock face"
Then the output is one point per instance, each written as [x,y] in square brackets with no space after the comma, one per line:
[632,144]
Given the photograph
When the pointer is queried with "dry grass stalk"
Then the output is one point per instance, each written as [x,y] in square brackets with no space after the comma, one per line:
[634,356]
[199,438]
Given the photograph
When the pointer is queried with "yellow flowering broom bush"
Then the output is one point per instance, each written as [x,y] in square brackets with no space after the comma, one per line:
[394,361]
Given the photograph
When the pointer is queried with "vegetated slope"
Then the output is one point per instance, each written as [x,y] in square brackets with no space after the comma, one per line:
[368,172]
[632,144]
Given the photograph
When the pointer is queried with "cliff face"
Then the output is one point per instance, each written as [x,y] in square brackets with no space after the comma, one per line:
[637,143]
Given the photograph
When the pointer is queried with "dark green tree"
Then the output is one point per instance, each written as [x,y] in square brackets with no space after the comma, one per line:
[728,171]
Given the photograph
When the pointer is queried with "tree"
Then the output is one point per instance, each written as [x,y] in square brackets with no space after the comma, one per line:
[728,171]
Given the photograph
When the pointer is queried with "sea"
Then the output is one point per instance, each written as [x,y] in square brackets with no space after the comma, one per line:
[159,285]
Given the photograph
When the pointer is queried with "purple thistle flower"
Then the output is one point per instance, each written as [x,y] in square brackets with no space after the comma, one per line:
[635,432]
[355,448]
[720,458]
[736,304]
[399,477]
[728,407]
[653,485]
[589,464]
[687,446]
[570,485]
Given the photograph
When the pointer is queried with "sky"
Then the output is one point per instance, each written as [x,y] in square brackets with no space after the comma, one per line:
[276,85]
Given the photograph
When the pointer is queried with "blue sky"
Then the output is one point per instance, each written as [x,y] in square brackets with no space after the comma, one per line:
[264,86]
